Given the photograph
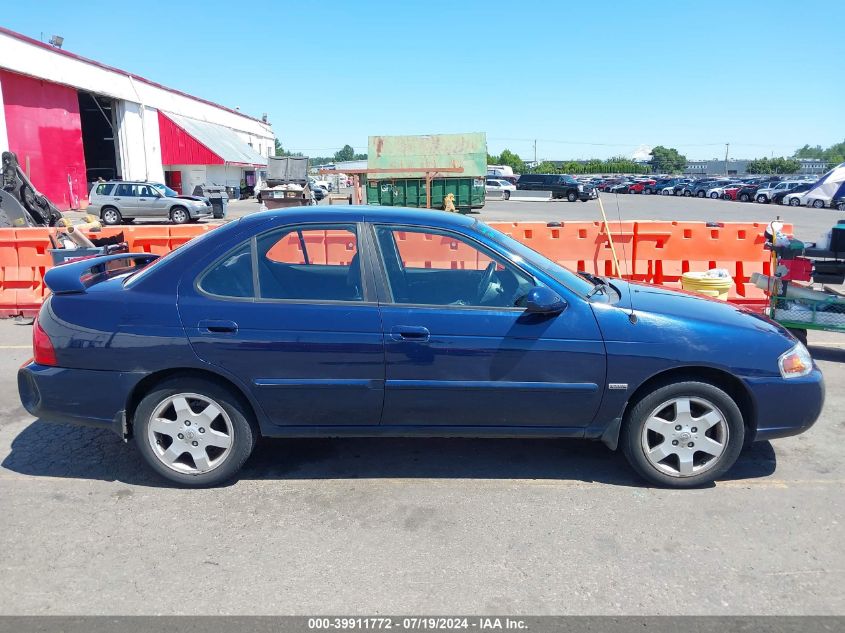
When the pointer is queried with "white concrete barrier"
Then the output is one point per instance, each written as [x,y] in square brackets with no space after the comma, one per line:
[533,196]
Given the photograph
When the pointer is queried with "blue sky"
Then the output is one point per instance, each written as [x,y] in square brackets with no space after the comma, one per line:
[587,79]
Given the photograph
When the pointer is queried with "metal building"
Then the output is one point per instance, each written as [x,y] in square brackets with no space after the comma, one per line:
[72,120]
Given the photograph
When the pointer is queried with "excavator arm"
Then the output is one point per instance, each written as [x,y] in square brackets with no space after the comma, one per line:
[21,204]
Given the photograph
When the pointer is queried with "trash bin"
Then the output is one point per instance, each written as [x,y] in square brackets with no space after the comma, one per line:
[707,284]
[217,196]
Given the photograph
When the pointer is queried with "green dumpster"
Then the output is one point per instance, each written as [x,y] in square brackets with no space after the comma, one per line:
[410,192]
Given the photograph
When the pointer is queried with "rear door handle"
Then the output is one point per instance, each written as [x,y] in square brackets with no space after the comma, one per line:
[218,326]
[415,333]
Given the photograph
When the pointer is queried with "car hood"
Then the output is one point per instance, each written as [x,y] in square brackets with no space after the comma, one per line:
[679,305]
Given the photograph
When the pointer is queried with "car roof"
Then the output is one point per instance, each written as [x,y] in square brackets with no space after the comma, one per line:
[362,213]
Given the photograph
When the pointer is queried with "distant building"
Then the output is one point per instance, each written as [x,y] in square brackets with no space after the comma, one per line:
[72,120]
[738,167]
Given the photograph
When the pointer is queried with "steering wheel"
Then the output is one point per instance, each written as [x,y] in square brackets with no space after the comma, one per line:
[486,280]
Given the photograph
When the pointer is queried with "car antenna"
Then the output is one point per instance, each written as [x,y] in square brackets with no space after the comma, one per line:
[632,316]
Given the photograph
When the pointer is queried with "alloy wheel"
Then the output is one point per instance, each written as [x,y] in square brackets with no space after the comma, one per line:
[190,433]
[179,216]
[684,436]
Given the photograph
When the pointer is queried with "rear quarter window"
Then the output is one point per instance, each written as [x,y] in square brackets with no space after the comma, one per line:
[104,189]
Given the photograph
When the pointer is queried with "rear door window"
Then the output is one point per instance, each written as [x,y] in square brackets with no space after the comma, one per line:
[124,189]
[310,263]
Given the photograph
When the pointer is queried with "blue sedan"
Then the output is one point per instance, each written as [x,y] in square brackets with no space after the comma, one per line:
[367,321]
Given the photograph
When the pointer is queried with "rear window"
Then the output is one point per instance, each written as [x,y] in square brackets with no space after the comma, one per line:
[104,189]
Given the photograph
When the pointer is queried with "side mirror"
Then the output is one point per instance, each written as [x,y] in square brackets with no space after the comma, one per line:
[542,300]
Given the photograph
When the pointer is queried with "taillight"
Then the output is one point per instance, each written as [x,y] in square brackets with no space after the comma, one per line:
[42,347]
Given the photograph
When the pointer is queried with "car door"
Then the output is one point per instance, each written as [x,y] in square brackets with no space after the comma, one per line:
[124,199]
[145,201]
[460,351]
[291,314]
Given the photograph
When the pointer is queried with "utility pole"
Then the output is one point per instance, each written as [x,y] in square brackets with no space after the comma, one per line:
[727,147]
[535,152]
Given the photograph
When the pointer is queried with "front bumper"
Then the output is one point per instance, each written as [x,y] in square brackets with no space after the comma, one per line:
[77,396]
[197,213]
[786,407]
[583,196]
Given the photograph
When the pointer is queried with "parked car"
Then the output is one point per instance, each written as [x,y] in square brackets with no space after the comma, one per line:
[561,186]
[500,186]
[747,193]
[764,193]
[730,192]
[242,333]
[638,186]
[321,182]
[122,201]
[792,196]
[699,188]
[318,191]
[838,203]
[717,190]
[657,186]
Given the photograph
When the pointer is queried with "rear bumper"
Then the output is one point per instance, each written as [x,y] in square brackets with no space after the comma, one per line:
[77,396]
[786,407]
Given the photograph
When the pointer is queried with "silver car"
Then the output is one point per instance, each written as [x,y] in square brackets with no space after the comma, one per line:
[120,201]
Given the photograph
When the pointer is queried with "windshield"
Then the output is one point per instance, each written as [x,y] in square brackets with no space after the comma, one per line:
[571,280]
[167,191]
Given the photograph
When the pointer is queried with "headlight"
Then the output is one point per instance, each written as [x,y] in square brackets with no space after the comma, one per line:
[796,362]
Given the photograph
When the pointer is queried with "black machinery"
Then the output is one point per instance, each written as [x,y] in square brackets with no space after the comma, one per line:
[21,204]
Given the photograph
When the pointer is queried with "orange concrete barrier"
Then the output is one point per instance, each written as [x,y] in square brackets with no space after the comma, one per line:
[654,252]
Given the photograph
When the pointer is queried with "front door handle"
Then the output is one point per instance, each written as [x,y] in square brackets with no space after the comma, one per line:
[415,333]
[218,326]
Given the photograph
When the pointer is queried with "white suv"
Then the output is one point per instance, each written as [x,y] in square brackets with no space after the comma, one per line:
[764,195]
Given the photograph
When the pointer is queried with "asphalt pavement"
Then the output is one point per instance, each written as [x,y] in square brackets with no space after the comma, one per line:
[808,223]
[416,526]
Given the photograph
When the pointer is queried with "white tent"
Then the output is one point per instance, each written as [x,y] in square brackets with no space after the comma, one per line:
[829,186]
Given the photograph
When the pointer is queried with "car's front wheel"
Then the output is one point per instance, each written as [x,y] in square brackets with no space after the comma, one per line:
[572,196]
[794,202]
[683,434]
[818,204]
[179,215]
[194,432]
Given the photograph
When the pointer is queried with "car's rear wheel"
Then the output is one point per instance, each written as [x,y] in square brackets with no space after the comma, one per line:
[714,195]
[794,202]
[683,434]
[110,216]
[687,194]
[194,432]
[179,215]
[506,195]
[701,194]
[818,204]
[572,196]
[840,206]
[762,199]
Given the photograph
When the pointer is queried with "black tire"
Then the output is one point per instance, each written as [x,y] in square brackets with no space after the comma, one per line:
[572,196]
[687,193]
[840,206]
[744,197]
[794,202]
[714,195]
[818,204]
[506,195]
[800,334]
[762,199]
[702,194]
[110,216]
[638,415]
[244,430]
[179,215]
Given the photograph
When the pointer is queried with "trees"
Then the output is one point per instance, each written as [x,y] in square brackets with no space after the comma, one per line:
[281,151]
[344,153]
[508,158]
[773,166]
[667,160]
[833,155]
